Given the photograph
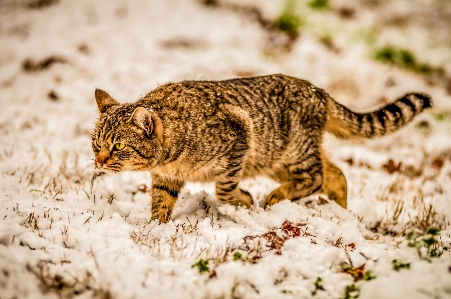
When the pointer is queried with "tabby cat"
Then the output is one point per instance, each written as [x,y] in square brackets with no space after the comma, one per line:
[226,131]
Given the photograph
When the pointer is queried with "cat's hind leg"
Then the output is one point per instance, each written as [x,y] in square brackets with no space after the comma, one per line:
[299,179]
[164,196]
[334,185]
[299,182]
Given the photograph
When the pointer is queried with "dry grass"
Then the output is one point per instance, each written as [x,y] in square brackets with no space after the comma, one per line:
[408,208]
[68,286]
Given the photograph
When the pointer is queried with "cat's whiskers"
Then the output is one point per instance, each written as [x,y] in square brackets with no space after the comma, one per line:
[86,162]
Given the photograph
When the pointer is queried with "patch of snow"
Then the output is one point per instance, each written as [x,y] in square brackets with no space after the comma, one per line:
[66,232]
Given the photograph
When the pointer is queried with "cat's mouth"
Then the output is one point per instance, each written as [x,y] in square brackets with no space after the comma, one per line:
[101,164]
[113,168]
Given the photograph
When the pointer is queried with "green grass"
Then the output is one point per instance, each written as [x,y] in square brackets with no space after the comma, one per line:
[202,266]
[434,246]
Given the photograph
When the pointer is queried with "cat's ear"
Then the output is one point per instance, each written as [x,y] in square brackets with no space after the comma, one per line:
[104,100]
[149,122]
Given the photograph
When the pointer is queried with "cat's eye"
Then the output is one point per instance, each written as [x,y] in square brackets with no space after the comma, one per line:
[119,146]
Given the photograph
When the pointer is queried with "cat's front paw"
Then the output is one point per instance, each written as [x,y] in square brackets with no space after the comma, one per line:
[274,197]
[163,215]
[246,199]
[242,199]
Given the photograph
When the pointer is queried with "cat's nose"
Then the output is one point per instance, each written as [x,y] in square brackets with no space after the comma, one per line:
[102,158]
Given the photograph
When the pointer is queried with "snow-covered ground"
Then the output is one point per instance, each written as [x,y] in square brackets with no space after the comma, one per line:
[67,231]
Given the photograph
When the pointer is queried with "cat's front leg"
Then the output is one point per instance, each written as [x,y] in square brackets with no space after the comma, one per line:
[236,196]
[227,180]
[164,195]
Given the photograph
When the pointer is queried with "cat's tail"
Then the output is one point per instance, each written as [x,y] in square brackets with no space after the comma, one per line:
[347,124]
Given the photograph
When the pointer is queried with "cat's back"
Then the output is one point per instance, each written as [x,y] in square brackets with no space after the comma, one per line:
[257,95]
[275,106]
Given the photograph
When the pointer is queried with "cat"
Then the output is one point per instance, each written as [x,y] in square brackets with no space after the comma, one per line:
[227,131]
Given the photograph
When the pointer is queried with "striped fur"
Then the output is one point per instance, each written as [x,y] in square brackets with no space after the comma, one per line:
[227,131]
[347,124]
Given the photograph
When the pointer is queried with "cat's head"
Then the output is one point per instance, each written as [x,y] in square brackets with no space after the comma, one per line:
[126,136]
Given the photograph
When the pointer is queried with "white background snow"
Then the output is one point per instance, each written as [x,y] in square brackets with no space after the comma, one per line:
[67,231]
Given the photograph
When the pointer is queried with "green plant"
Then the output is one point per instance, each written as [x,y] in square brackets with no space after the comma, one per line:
[202,266]
[397,265]
[441,116]
[357,273]
[434,247]
[368,276]
[405,59]
[237,256]
[289,21]
[319,4]
[319,284]
[287,292]
[351,292]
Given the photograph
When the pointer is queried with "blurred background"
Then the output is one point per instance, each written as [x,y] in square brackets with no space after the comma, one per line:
[360,51]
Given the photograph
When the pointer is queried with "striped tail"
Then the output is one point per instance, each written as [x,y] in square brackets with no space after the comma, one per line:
[347,124]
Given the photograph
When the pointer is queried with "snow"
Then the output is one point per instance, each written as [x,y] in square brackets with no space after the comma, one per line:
[68,232]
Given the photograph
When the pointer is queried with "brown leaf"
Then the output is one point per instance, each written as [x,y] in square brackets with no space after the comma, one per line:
[274,241]
[213,274]
[291,230]
[438,162]
[350,161]
[391,166]
[30,65]
[322,201]
[356,273]
[346,12]
[52,95]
